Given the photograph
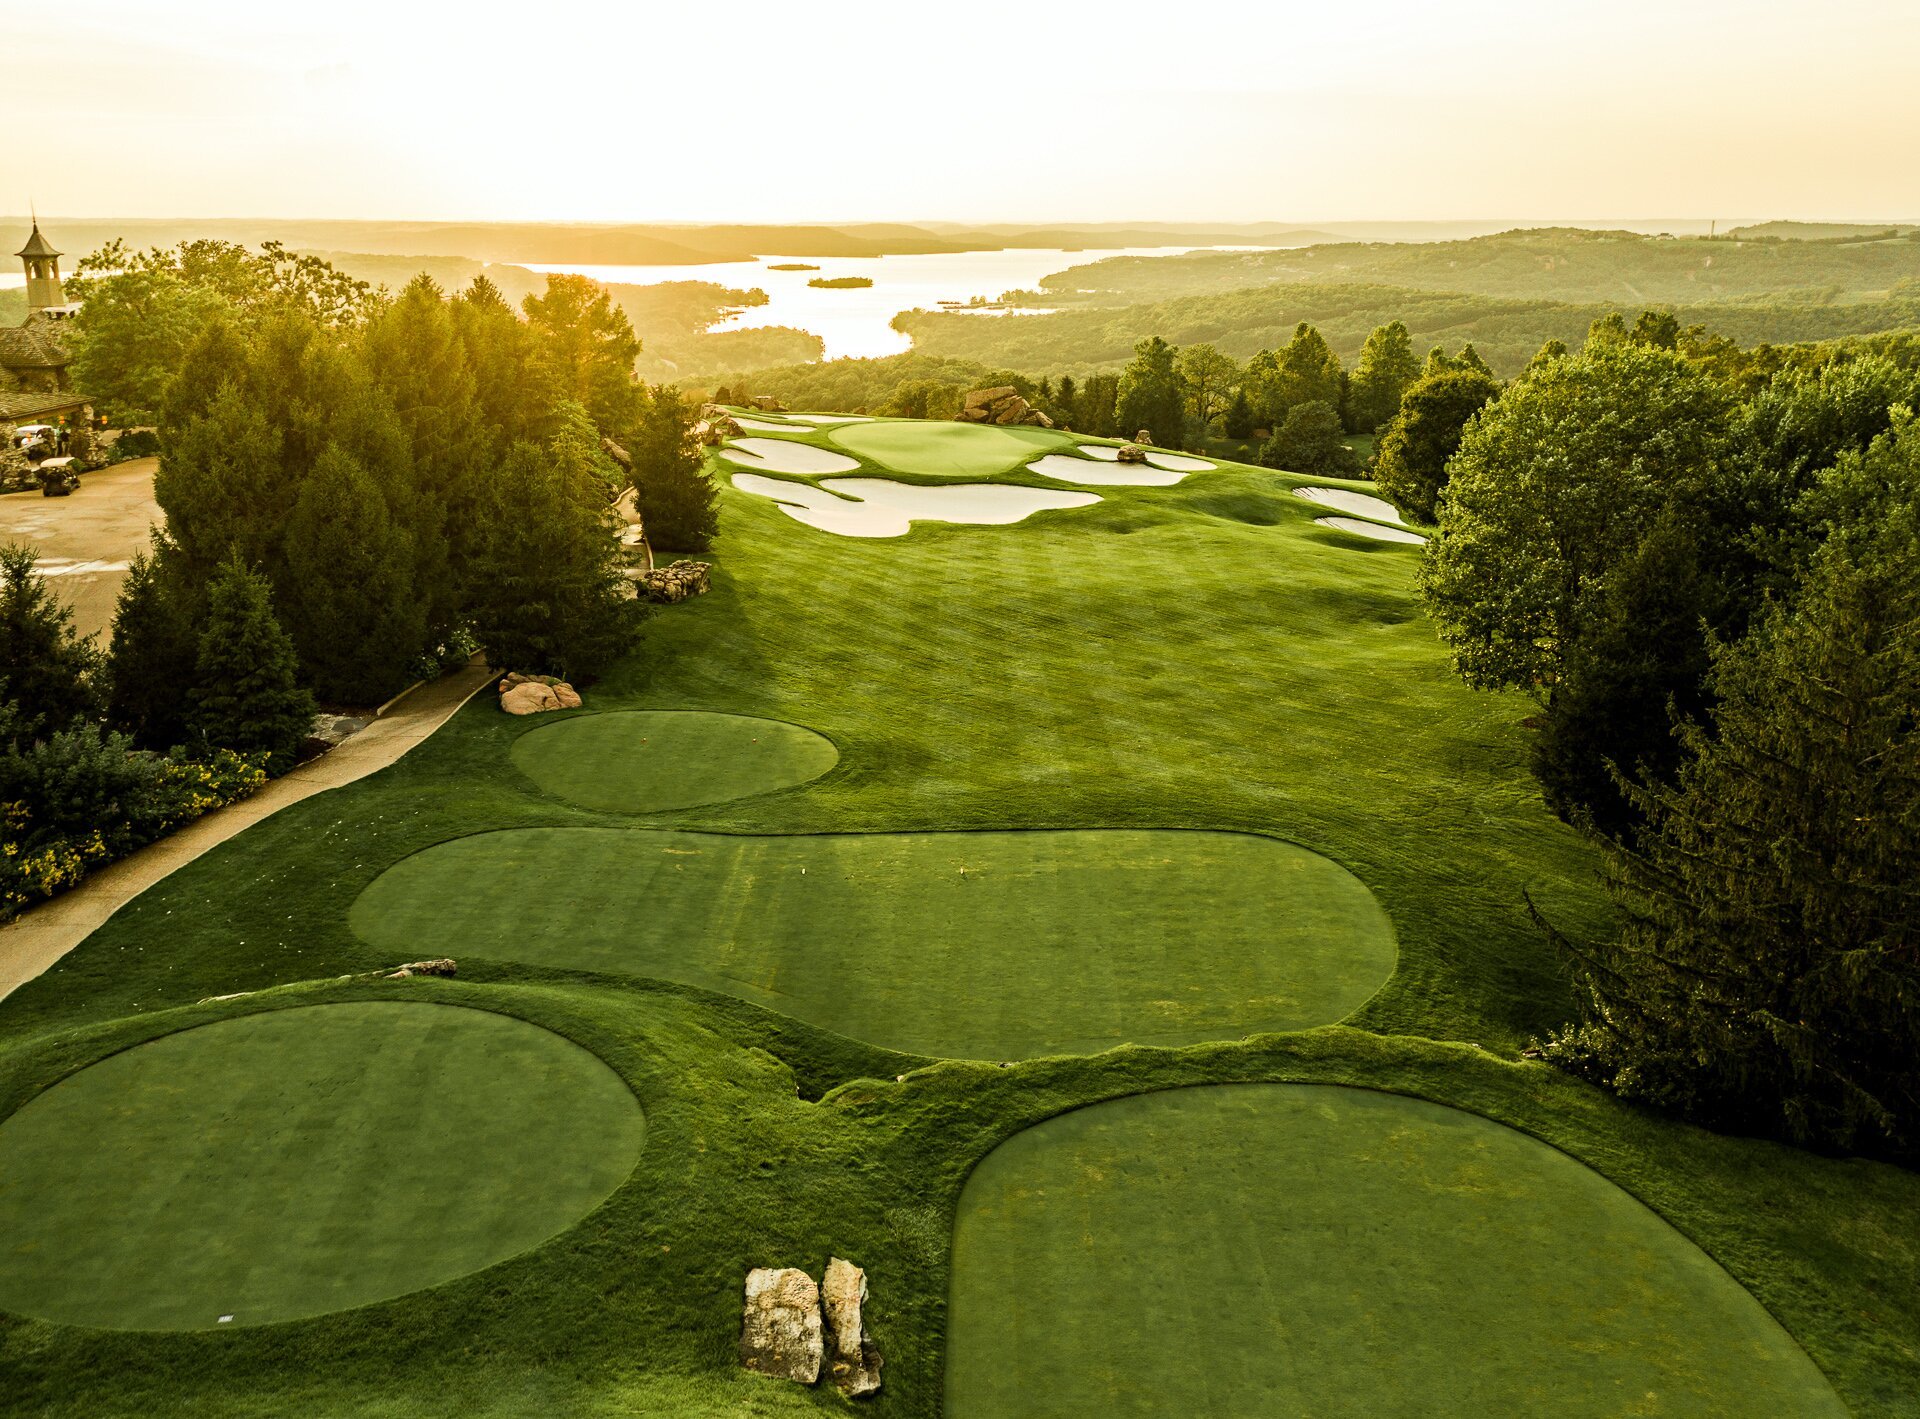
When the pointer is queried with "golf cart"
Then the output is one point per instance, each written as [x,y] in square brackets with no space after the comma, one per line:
[59,477]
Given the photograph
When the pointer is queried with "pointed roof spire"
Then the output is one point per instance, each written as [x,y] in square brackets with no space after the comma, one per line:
[37,245]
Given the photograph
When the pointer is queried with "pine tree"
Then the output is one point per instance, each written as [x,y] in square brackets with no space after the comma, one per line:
[678,504]
[153,656]
[348,590]
[1387,367]
[548,597]
[223,484]
[1768,972]
[1238,423]
[247,694]
[47,673]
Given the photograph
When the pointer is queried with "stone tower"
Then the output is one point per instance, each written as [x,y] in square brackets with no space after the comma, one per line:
[43,274]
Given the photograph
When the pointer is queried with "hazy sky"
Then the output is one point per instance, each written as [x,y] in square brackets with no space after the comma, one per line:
[1177,109]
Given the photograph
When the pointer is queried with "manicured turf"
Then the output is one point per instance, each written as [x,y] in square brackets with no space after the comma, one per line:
[943,450]
[979,945]
[650,762]
[302,1161]
[1274,1249]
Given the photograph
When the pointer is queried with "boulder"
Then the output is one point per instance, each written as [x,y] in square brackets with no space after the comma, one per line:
[676,582]
[618,454]
[852,1358]
[568,696]
[781,1332]
[1131,453]
[534,694]
[1001,404]
[767,404]
[1144,436]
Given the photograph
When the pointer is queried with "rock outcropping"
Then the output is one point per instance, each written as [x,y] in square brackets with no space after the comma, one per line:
[1131,453]
[675,582]
[1001,405]
[715,425]
[781,1335]
[853,1360]
[535,694]
[767,404]
[443,966]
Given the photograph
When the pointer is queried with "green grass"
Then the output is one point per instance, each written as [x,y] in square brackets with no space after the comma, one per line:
[1197,656]
[942,450]
[663,760]
[287,1164]
[981,945]
[1279,1249]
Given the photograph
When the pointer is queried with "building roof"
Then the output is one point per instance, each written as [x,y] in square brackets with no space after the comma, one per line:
[37,245]
[24,407]
[32,346]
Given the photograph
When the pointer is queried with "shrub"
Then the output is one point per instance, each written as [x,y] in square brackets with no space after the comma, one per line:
[1309,441]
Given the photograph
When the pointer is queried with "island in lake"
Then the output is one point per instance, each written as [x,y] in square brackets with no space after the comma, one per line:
[793,266]
[840,283]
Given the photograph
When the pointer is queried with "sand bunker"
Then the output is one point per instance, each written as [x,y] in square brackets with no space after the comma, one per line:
[885,508]
[767,426]
[1359,504]
[785,456]
[1172,462]
[832,418]
[1069,469]
[1369,529]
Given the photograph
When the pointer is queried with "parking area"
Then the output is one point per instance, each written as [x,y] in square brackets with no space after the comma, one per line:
[84,542]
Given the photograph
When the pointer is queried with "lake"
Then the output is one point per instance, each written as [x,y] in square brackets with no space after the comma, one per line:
[859,322]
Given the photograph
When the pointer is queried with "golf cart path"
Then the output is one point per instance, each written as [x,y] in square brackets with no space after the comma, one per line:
[43,934]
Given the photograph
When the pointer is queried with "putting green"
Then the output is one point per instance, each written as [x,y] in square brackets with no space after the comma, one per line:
[302,1161]
[946,450]
[650,761]
[979,945]
[1249,1249]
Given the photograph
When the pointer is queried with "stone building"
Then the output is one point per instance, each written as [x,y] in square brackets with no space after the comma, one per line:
[34,384]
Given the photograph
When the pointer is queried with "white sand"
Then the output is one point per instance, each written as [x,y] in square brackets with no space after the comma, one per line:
[1180,462]
[832,418]
[1171,462]
[1069,469]
[768,426]
[785,456]
[884,508]
[1369,529]
[1359,504]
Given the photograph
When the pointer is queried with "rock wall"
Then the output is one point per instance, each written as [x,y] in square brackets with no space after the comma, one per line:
[1001,405]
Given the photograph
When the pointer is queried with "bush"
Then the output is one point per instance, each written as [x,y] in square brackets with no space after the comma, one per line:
[1310,441]
[134,443]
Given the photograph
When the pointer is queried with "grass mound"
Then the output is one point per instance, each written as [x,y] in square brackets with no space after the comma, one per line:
[656,760]
[1299,1249]
[308,1160]
[977,945]
[942,450]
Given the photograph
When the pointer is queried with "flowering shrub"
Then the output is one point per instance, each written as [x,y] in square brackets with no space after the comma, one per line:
[82,798]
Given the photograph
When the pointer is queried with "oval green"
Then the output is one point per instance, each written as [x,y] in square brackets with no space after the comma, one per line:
[989,945]
[1317,1249]
[652,761]
[301,1161]
[936,449]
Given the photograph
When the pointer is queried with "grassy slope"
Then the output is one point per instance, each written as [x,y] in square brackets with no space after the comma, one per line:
[1197,656]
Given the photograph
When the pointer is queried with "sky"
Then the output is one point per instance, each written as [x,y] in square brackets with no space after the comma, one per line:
[841,110]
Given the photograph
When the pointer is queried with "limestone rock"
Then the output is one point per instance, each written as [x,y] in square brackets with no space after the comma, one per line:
[853,1359]
[767,404]
[781,1333]
[1131,453]
[1000,405]
[440,966]
[618,454]
[672,583]
[533,694]
[1144,436]
[568,696]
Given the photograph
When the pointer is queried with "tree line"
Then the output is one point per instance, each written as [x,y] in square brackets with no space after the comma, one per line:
[360,490]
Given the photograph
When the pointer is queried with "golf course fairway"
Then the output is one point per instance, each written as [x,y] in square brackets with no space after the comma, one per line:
[1285,1249]
[941,450]
[652,761]
[998,945]
[301,1161]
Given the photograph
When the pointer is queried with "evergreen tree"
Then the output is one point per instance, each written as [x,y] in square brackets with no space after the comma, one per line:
[1309,441]
[1151,396]
[1309,371]
[348,590]
[247,694]
[586,346]
[153,656]
[1469,360]
[1066,397]
[1410,463]
[548,596]
[223,486]
[1387,367]
[678,504]
[47,673]
[1437,362]
[1768,968]
[513,389]
[1238,423]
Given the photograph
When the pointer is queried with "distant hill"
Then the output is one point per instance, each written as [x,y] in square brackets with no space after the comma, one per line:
[1820,231]
[1550,263]
[1506,330]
